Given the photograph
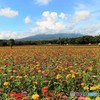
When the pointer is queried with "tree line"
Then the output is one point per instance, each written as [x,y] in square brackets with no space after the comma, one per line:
[61,41]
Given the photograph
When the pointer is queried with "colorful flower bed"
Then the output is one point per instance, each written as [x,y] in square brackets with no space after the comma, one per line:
[50,73]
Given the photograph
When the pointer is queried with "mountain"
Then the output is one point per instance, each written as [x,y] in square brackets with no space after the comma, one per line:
[50,36]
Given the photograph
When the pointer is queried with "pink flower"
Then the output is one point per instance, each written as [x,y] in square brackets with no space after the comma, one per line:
[25,92]
[81,98]
[64,97]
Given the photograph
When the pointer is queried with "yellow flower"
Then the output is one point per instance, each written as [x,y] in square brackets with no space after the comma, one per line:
[25,76]
[73,75]
[98,87]
[11,76]
[58,76]
[97,98]
[35,96]
[90,68]
[19,77]
[87,98]
[84,72]
[6,83]
[63,69]
[9,70]
[66,68]
[86,88]
[38,64]
[4,74]
[68,75]
[39,71]
[93,88]
[77,72]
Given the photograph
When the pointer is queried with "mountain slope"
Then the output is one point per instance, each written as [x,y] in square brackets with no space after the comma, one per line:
[50,36]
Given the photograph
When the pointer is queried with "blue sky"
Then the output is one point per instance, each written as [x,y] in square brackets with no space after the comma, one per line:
[22,18]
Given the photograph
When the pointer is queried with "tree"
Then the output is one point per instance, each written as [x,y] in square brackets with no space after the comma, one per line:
[11,42]
[3,43]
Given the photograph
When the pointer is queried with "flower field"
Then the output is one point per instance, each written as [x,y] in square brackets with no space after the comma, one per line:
[49,72]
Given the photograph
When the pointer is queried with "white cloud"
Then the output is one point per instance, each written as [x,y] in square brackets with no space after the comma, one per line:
[91,29]
[43,2]
[62,15]
[8,12]
[50,23]
[49,15]
[15,35]
[81,15]
[27,20]
[8,35]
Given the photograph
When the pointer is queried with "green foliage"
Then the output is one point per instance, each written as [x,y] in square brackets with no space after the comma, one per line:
[11,42]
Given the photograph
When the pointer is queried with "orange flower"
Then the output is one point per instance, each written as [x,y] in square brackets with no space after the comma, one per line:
[47,98]
[26,98]
[13,94]
[34,83]
[37,99]
[14,71]
[9,79]
[59,95]
[44,90]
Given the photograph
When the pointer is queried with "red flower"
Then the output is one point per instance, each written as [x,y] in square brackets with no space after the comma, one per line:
[44,90]
[44,73]
[63,81]
[1,90]
[51,94]
[19,96]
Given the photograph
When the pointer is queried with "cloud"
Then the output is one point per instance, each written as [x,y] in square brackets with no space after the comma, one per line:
[91,29]
[27,20]
[53,22]
[14,34]
[43,2]
[8,12]
[50,15]
[81,15]
[49,23]
[8,35]
[62,15]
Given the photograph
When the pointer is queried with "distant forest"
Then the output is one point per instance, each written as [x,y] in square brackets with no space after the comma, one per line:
[61,41]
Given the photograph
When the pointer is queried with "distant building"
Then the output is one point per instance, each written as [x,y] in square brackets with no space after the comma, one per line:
[49,43]
[89,44]
[98,43]
[67,44]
